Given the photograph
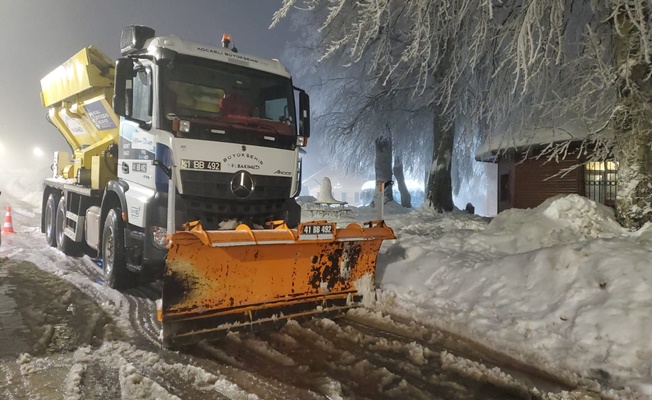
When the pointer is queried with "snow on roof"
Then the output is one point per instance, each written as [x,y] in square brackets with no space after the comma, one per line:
[573,130]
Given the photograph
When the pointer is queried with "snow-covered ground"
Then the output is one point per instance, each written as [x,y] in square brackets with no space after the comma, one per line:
[562,286]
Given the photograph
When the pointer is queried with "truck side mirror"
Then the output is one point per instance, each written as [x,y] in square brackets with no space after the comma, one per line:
[123,88]
[304,114]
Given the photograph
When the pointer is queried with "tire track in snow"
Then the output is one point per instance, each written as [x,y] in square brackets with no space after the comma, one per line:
[140,311]
[417,364]
[360,375]
[358,357]
[414,364]
[88,277]
[439,341]
[471,362]
[8,382]
[131,372]
[36,378]
[255,366]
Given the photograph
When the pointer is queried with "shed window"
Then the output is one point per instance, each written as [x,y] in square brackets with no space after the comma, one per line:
[600,182]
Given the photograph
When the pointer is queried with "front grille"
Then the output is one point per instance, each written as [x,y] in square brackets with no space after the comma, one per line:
[217,185]
[207,197]
[211,211]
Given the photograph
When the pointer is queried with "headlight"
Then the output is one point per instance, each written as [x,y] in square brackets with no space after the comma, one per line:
[160,236]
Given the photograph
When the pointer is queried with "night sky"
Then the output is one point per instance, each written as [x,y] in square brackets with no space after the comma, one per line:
[39,35]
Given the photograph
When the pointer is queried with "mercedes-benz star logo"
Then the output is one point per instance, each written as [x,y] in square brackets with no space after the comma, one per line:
[242,184]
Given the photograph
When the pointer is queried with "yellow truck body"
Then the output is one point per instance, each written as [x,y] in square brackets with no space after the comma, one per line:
[78,96]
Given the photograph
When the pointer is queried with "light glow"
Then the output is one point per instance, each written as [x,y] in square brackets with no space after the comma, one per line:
[38,152]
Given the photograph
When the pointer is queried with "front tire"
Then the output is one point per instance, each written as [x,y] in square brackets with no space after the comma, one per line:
[114,260]
[66,245]
[50,220]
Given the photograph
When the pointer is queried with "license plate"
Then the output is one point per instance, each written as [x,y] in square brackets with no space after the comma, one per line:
[317,231]
[199,164]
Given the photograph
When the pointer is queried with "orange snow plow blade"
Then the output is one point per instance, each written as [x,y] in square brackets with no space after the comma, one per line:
[217,281]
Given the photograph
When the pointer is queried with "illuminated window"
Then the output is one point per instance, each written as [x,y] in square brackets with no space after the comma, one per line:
[600,181]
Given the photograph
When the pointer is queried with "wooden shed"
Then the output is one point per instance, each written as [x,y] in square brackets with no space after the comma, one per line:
[526,180]
[528,183]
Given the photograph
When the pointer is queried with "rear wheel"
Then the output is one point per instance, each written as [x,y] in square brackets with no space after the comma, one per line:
[64,243]
[114,260]
[50,220]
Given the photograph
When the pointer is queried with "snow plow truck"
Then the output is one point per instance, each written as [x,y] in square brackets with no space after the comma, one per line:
[184,167]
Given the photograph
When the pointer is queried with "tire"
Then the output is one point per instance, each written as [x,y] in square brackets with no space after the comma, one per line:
[66,245]
[114,260]
[50,220]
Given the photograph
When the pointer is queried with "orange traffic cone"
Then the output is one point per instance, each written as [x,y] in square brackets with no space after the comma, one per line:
[9,226]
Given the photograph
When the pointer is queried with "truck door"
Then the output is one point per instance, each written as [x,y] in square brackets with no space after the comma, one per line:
[138,146]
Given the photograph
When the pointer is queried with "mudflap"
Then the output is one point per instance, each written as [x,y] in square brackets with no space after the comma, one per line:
[243,279]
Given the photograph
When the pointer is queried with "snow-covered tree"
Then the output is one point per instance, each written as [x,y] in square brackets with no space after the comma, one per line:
[394,41]
[356,117]
[512,66]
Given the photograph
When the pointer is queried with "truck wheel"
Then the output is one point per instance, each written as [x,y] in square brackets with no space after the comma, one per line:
[64,243]
[114,260]
[50,220]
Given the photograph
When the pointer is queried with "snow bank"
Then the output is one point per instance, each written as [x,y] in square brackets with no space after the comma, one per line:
[559,220]
[561,285]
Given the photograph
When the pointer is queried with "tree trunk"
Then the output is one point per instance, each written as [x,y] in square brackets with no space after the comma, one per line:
[631,123]
[406,198]
[384,165]
[440,190]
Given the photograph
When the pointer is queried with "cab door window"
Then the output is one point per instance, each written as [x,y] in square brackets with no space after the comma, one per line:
[142,95]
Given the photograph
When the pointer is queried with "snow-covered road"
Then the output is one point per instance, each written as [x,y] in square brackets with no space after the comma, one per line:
[77,339]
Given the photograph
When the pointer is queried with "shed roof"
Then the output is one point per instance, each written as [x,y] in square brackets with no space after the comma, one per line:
[574,130]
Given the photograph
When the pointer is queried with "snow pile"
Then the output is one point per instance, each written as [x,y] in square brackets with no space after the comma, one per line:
[561,285]
[561,219]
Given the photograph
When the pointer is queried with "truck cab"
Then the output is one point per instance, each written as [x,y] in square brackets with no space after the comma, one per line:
[216,127]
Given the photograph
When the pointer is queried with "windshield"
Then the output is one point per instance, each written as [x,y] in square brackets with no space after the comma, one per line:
[232,97]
